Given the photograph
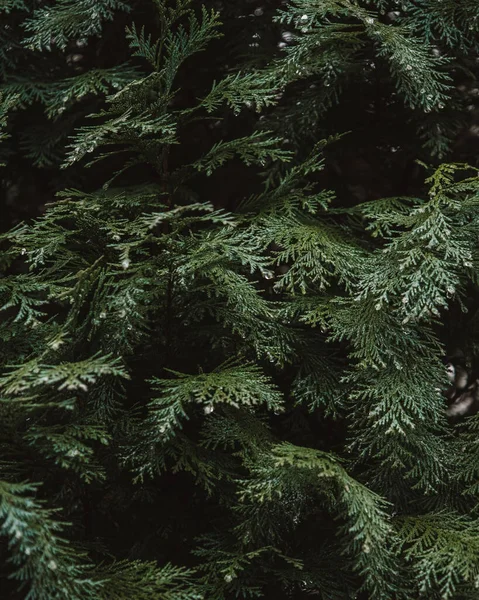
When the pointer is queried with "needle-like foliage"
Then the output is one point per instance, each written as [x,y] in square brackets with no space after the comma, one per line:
[220,353]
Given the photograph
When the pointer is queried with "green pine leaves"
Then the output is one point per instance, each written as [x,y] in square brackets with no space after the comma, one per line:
[67,20]
[442,549]
[217,348]
[64,376]
[50,567]
[42,559]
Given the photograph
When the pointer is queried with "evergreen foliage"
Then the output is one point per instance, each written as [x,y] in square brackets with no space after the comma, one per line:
[221,367]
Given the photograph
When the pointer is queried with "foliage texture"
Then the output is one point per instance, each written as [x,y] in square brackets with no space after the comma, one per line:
[238,241]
